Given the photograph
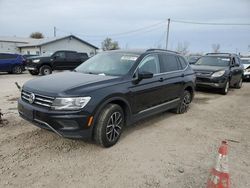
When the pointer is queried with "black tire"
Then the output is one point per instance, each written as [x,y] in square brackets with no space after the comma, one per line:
[225,89]
[33,72]
[239,84]
[184,103]
[45,70]
[17,69]
[109,125]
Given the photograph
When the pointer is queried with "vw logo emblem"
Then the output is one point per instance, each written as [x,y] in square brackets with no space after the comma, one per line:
[32,98]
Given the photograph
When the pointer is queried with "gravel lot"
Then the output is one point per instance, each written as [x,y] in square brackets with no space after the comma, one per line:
[166,150]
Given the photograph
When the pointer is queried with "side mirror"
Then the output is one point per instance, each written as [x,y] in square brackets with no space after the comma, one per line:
[145,75]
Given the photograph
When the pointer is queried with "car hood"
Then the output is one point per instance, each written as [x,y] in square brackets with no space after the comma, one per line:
[246,66]
[42,58]
[68,83]
[204,68]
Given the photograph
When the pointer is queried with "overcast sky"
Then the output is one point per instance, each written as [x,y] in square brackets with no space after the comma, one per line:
[93,20]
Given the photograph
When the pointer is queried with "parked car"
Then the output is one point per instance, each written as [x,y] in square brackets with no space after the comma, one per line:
[60,60]
[219,70]
[11,63]
[246,64]
[107,92]
[192,59]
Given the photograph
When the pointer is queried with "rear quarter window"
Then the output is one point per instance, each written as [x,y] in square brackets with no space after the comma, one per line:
[183,62]
[8,56]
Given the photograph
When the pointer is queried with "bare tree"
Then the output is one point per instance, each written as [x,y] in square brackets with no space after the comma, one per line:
[216,48]
[108,44]
[36,35]
[182,48]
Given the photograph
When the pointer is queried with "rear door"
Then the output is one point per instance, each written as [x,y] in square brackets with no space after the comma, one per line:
[7,61]
[72,60]
[236,71]
[173,77]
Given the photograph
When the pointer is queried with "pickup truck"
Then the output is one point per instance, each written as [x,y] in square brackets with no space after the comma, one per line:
[60,60]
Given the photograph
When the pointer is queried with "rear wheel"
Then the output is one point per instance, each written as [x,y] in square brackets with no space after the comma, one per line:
[109,125]
[225,90]
[17,69]
[45,70]
[239,84]
[33,72]
[184,103]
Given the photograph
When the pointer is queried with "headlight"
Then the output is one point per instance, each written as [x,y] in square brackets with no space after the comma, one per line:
[70,103]
[218,74]
[36,60]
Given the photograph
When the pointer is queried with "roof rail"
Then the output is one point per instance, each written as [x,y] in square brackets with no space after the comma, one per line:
[219,53]
[158,49]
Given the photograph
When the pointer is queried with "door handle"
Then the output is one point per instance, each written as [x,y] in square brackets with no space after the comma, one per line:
[161,80]
[182,75]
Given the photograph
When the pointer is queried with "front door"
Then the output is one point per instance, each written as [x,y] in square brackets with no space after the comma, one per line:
[146,93]
[59,61]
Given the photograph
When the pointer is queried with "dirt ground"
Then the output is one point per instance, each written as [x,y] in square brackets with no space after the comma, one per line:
[166,150]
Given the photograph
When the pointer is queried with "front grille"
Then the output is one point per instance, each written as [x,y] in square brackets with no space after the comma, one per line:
[38,99]
[203,73]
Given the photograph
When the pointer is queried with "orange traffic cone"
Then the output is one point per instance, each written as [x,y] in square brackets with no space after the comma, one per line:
[219,175]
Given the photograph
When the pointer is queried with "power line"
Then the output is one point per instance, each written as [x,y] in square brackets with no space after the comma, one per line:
[210,23]
[144,29]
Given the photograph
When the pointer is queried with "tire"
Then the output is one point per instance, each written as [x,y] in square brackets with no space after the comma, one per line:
[45,70]
[17,69]
[33,72]
[184,103]
[239,84]
[109,125]
[225,89]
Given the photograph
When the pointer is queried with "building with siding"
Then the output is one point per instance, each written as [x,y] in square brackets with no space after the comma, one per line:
[45,45]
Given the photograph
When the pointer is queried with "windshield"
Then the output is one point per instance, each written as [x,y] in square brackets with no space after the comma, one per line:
[245,61]
[214,61]
[192,59]
[108,63]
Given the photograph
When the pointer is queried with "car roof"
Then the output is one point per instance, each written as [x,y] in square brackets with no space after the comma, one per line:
[141,51]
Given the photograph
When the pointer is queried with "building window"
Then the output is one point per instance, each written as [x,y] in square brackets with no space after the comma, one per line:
[37,52]
[28,52]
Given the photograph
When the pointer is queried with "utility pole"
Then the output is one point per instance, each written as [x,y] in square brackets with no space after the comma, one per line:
[54,31]
[167,33]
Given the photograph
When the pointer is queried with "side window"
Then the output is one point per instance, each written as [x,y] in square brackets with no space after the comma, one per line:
[169,63]
[60,54]
[8,56]
[183,62]
[150,64]
[71,55]
[237,63]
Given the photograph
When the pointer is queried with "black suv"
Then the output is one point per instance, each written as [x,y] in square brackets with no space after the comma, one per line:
[107,92]
[60,60]
[219,70]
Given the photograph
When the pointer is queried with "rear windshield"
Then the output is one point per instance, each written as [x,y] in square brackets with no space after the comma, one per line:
[214,61]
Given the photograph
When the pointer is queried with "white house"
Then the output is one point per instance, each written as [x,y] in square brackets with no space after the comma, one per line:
[45,45]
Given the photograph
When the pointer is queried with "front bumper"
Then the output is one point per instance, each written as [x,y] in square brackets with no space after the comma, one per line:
[202,81]
[246,75]
[70,124]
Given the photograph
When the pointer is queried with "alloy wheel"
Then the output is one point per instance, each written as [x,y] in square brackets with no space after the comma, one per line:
[185,102]
[113,129]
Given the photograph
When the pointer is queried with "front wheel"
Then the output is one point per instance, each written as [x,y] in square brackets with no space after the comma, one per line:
[184,103]
[109,125]
[225,90]
[45,70]
[239,84]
